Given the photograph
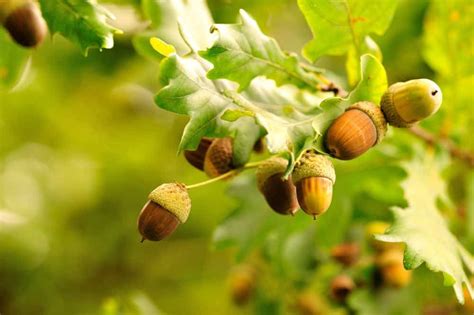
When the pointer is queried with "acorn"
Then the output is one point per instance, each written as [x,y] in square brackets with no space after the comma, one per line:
[259,146]
[242,283]
[406,103]
[218,159]
[346,254]
[468,299]
[341,287]
[314,177]
[24,22]
[390,265]
[308,303]
[279,193]
[358,129]
[196,157]
[168,206]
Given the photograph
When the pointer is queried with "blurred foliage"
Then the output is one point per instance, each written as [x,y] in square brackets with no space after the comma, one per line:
[82,144]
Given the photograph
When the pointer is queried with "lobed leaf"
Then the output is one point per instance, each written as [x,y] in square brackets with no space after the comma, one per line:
[339,25]
[242,52]
[81,21]
[189,92]
[422,228]
[165,17]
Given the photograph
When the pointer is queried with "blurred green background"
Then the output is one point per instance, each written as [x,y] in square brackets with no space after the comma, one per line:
[81,146]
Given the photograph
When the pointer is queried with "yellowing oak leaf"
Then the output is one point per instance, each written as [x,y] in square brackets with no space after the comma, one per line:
[424,231]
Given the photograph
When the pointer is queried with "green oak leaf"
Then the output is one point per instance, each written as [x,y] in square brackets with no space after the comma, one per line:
[450,56]
[451,59]
[165,16]
[370,88]
[188,91]
[13,61]
[280,236]
[385,302]
[424,231]
[368,46]
[339,25]
[291,135]
[242,52]
[285,100]
[217,110]
[251,215]
[81,21]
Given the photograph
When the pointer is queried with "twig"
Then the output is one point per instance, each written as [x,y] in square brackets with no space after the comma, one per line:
[449,145]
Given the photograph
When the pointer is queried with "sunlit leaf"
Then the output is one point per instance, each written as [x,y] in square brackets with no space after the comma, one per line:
[162,47]
[194,20]
[190,92]
[448,41]
[424,231]
[339,25]
[81,21]
[242,52]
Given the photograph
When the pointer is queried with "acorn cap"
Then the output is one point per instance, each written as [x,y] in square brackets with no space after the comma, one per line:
[313,165]
[174,198]
[406,103]
[269,168]
[376,114]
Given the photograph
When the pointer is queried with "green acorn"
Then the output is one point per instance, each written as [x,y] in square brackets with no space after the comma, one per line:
[406,103]
[279,193]
[314,177]
[358,129]
[168,206]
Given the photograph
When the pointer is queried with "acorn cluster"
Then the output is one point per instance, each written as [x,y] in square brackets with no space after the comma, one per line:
[309,186]
[23,21]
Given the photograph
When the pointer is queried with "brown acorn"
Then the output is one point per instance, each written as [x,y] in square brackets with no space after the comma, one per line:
[259,146]
[314,177]
[341,287]
[196,157]
[406,103]
[218,159]
[308,303]
[468,299]
[346,254]
[357,130]
[390,265]
[168,206]
[279,193]
[242,283]
[25,24]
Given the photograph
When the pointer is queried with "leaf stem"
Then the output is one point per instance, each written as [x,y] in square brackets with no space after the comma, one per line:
[185,37]
[226,175]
